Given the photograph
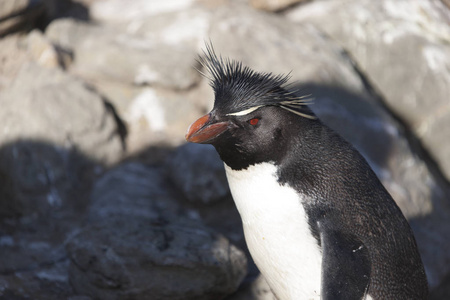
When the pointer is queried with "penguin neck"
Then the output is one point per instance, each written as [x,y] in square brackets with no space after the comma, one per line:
[240,160]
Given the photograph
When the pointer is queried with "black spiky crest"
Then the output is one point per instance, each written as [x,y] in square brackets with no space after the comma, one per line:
[238,88]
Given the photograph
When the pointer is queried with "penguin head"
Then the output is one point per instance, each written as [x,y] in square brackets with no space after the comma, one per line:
[252,113]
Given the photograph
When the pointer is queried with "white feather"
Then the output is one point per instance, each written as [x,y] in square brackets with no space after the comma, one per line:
[245,112]
[277,232]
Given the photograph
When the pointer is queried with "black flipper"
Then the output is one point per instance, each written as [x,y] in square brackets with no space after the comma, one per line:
[345,266]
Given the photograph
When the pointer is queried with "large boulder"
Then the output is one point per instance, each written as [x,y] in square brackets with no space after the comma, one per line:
[127,57]
[51,106]
[140,244]
[39,178]
[151,82]
[133,257]
[133,190]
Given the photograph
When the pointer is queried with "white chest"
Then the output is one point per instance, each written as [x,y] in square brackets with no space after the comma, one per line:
[277,232]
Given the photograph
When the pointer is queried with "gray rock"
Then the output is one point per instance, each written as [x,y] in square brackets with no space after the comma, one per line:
[38,179]
[17,50]
[120,11]
[403,49]
[443,290]
[135,216]
[51,106]
[132,190]
[45,53]
[268,43]
[198,173]
[47,282]
[156,116]
[103,52]
[12,56]
[152,84]
[124,258]
[34,262]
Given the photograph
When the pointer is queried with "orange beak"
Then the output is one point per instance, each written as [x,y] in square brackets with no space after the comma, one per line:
[203,130]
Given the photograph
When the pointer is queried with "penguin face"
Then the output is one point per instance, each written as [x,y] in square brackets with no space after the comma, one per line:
[250,115]
[253,136]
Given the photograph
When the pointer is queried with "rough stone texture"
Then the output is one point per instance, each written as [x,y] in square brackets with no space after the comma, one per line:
[160,116]
[119,11]
[137,219]
[139,258]
[152,88]
[12,57]
[132,190]
[39,179]
[103,52]
[42,51]
[198,173]
[34,263]
[384,37]
[16,50]
[268,43]
[49,105]
[273,5]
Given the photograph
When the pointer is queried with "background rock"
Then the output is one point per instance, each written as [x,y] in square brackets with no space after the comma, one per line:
[132,190]
[51,106]
[198,173]
[140,258]
[39,179]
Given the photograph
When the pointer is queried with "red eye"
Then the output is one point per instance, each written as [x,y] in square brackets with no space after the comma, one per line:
[254,121]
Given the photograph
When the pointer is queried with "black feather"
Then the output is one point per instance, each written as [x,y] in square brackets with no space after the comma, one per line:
[238,87]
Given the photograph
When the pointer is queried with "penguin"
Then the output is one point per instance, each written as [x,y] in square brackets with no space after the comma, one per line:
[317,221]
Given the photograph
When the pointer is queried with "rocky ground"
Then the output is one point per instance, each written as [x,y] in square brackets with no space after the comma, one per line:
[100,197]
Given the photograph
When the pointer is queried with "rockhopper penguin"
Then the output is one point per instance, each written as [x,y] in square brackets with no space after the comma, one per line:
[317,221]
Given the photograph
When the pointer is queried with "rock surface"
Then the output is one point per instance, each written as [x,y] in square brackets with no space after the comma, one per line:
[198,173]
[137,227]
[139,258]
[52,106]
[94,176]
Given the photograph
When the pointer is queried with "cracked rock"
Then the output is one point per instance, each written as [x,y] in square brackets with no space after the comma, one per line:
[123,258]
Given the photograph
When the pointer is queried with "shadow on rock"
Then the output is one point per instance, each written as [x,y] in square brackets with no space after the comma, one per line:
[69,227]
[44,193]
